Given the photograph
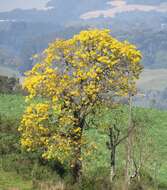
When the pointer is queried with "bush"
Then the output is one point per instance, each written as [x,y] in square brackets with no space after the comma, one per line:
[27,164]
[9,85]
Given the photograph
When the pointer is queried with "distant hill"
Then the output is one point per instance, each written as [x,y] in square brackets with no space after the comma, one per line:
[153,79]
[7,71]
[26,32]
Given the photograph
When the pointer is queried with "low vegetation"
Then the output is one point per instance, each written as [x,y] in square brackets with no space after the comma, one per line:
[22,170]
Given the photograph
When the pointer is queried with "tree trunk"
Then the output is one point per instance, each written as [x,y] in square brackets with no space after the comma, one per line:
[112,171]
[77,166]
[77,163]
[128,167]
[112,155]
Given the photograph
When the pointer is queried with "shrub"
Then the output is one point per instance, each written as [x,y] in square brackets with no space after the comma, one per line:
[9,85]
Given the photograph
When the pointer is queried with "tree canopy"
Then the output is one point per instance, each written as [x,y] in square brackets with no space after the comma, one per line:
[72,78]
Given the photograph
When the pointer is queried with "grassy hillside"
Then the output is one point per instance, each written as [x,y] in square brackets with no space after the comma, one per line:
[153,79]
[14,170]
[11,180]
[7,71]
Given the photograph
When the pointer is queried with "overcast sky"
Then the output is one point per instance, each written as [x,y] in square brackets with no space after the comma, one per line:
[118,6]
[7,5]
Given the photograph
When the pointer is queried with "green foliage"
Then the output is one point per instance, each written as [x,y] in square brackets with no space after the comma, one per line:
[11,180]
[18,167]
[13,160]
[8,85]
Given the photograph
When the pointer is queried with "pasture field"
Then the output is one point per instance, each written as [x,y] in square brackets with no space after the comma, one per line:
[11,180]
[11,109]
[153,79]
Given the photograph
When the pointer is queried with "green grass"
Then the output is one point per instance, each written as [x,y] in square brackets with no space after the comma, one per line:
[156,133]
[12,106]
[12,180]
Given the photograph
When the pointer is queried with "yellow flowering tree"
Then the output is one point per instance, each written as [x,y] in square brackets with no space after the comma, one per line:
[72,77]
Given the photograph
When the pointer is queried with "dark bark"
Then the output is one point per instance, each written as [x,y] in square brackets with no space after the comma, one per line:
[77,167]
[77,163]
[114,141]
[112,145]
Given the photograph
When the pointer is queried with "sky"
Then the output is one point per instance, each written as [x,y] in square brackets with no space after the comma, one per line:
[7,5]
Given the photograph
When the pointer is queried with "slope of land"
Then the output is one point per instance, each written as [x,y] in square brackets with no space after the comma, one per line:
[11,180]
[7,71]
[153,79]
[12,107]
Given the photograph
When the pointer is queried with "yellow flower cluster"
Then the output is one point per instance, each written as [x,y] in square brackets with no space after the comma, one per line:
[34,125]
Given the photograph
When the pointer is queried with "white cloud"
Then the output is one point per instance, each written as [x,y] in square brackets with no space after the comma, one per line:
[119,6]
